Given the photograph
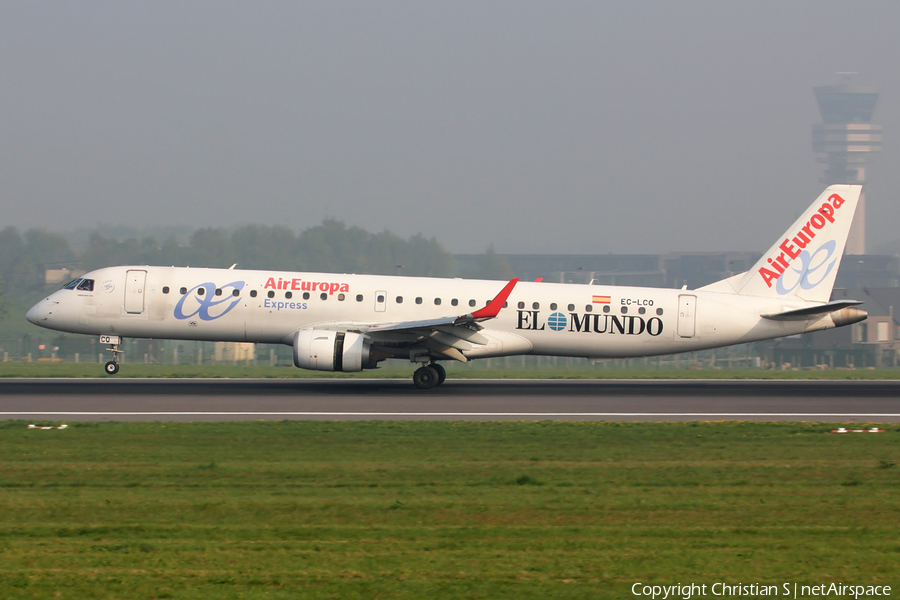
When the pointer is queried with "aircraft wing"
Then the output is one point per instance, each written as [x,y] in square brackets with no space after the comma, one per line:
[447,336]
[488,312]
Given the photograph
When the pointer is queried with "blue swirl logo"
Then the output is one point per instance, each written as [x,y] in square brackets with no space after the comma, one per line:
[207,305]
[821,260]
[557,321]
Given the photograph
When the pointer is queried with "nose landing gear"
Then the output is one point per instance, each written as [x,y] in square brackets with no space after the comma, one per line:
[429,376]
[112,367]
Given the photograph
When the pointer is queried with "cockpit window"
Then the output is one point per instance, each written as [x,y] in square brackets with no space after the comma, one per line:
[86,285]
[71,285]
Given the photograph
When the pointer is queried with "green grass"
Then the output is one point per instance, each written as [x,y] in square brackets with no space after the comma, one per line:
[440,509]
[403,369]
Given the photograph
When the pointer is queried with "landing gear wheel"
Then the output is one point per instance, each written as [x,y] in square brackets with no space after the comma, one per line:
[112,368]
[442,373]
[426,378]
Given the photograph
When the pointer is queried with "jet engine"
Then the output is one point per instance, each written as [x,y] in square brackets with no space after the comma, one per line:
[323,350]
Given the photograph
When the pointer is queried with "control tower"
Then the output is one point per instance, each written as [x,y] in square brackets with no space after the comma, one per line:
[848,140]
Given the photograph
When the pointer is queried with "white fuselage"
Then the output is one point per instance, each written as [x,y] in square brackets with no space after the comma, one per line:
[554,319]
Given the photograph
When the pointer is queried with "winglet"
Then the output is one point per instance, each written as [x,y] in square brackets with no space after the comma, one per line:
[493,308]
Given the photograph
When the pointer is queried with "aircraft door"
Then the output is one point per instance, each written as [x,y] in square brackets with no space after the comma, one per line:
[687,316]
[134,291]
[380,301]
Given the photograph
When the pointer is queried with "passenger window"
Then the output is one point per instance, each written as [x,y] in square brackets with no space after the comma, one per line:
[165,289]
[606,308]
[380,299]
[341,297]
[72,284]
[553,306]
[471,303]
[236,293]
[505,304]
[659,311]
[183,291]
[324,295]
[288,295]
[306,295]
[218,291]
[521,305]
[624,310]
[86,285]
[536,305]
[359,298]
[201,291]
[419,300]
[588,308]
[454,302]
[399,299]
[253,293]
[642,310]
[437,301]
[571,308]
[271,294]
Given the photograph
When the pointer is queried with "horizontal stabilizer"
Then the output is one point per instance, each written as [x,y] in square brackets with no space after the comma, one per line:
[799,314]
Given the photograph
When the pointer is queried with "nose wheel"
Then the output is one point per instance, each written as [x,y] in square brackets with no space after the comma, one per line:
[112,367]
[429,376]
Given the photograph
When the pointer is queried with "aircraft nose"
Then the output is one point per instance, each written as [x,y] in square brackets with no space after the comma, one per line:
[38,313]
[32,314]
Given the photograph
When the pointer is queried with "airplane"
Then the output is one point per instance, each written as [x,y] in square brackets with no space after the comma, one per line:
[347,323]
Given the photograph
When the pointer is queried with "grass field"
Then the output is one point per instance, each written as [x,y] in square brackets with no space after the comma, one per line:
[440,509]
[403,369]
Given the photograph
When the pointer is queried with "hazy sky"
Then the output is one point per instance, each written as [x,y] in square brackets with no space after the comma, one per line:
[565,127]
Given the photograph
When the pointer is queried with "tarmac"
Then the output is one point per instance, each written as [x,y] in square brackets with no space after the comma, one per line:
[123,399]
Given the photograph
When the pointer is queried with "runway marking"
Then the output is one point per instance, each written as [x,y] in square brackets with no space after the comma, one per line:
[431,414]
[350,380]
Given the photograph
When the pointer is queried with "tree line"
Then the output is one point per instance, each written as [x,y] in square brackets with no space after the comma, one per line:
[329,247]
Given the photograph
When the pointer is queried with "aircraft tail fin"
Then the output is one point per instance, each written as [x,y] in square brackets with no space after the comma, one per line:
[803,262]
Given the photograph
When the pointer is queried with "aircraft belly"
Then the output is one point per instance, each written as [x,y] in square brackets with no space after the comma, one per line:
[603,346]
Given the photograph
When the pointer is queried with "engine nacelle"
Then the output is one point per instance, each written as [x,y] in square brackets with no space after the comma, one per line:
[323,350]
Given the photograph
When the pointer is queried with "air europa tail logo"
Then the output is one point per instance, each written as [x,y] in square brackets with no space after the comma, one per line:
[306,286]
[793,249]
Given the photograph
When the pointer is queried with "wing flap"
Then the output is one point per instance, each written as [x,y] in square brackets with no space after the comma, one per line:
[465,333]
[446,351]
[451,340]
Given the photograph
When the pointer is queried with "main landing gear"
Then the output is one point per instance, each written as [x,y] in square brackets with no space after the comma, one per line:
[429,376]
[112,367]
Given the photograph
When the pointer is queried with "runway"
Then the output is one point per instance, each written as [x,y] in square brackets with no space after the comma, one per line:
[112,399]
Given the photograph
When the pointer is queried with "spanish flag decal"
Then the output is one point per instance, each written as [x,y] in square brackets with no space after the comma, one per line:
[601,299]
